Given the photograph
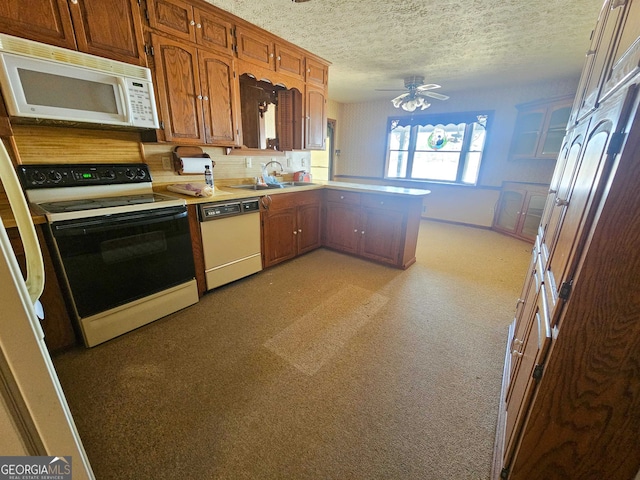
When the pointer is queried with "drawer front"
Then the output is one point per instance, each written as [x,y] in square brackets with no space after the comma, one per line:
[341,196]
[387,202]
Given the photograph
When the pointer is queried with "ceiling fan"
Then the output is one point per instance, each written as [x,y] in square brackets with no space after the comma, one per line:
[417,94]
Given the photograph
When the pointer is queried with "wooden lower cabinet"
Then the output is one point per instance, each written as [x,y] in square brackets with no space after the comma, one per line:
[520,208]
[380,227]
[290,225]
[57,327]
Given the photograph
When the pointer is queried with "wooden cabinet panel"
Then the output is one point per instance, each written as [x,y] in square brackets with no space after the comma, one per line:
[316,126]
[219,98]
[213,31]
[174,17]
[520,209]
[316,73]
[381,234]
[291,225]
[255,48]
[109,28]
[289,61]
[625,58]
[308,222]
[532,354]
[46,21]
[176,73]
[341,228]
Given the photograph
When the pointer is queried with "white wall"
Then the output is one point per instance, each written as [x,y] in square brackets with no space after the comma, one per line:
[362,139]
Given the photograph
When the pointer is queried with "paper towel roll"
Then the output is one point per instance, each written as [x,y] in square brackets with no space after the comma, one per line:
[191,166]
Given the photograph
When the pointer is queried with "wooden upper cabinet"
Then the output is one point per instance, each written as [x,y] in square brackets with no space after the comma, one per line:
[625,54]
[178,86]
[109,28]
[46,21]
[316,118]
[180,19]
[213,31]
[255,47]
[540,128]
[220,98]
[289,61]
[316,72]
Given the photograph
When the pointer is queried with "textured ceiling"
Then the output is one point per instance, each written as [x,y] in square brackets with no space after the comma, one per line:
[458,44]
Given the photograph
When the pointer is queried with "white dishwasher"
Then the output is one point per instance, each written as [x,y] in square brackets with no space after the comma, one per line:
[230,240]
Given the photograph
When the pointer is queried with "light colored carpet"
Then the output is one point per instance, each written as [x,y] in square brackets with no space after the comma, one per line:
[325,367]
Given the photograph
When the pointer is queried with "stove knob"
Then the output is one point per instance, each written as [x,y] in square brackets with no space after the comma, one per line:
[54,176]
[109,174]
[130,174]
[141,174]
[38,177]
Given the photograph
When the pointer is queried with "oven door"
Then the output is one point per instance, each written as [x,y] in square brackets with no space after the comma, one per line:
[112,260]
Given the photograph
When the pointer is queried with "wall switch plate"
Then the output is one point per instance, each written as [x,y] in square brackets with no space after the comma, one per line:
[288,162]
[166,164]
[247,162]
[303,162]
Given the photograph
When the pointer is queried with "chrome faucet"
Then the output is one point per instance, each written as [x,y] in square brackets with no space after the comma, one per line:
[274,161]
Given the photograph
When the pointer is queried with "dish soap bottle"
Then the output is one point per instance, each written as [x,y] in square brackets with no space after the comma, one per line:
[208,176]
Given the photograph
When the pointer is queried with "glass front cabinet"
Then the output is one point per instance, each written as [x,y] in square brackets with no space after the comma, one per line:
[519,209]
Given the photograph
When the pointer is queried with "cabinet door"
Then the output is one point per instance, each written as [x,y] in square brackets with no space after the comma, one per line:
[554,130]
[509,210]
[588,185]
[381,234]
[532,353]
[316,118]
[174,17]
[531,214]
[341,226]
[625,58]
[280,235]
[316,73]
[219,98]
[109,28]
[255,48]
[176,73]
[527,133]
[308,223]
[46,21]
[289,61]
[213,31]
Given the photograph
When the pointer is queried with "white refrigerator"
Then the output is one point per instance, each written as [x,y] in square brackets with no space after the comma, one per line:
[35,419]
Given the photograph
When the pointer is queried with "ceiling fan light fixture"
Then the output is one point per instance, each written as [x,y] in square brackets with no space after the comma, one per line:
[411,104]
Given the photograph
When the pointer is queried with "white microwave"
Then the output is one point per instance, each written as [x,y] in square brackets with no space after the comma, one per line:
[50,83]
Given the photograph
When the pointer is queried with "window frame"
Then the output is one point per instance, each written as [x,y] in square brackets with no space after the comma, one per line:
[435,119]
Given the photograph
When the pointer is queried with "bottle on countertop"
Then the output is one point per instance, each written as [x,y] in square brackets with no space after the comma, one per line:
[208,176]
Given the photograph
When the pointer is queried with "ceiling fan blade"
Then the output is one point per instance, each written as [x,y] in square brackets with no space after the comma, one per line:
[437,96]
[400,97]
[428,86]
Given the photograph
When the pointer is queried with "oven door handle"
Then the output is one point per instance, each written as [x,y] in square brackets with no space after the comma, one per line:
[112,222]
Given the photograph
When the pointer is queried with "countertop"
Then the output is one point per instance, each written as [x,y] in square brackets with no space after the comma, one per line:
[222,193]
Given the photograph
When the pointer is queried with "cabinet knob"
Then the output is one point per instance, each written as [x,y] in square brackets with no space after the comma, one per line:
[561,203]
[75,2]
[362,232]
[341,197]
[300,230]
[517,341]
[278,58]
[381,203]
[552,191]
[518,302]
[355,230]
[205,98]
[271,55]
[295,232]
[516,353]
[199,97]
[192,23]
[198,25]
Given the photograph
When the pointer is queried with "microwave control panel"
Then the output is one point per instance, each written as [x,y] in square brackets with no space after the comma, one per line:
[143,108]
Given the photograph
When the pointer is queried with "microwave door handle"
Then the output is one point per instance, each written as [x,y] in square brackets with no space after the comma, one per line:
[124,99]
[24,222]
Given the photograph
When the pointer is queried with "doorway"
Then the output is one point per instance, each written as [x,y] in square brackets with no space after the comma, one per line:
[322,160]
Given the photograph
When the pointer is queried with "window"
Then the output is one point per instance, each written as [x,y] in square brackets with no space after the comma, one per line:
[442,148]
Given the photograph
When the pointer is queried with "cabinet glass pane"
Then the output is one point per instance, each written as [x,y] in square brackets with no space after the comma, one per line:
[525,144]
[553,142]
[533,215]
[529,122]
[510,205]
[559,118]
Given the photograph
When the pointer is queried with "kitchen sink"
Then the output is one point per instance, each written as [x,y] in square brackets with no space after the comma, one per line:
[272,186]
